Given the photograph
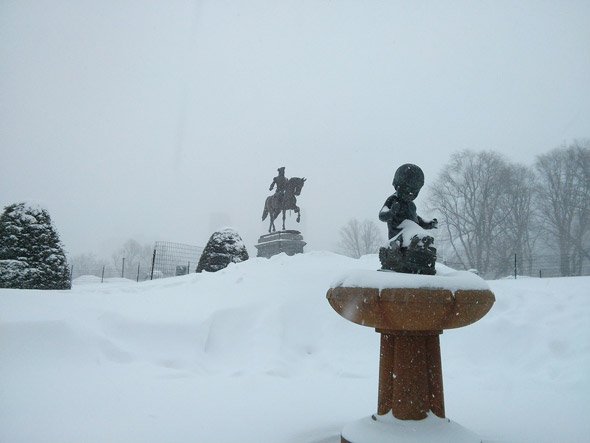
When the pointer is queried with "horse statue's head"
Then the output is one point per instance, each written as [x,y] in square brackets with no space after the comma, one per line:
[295,185]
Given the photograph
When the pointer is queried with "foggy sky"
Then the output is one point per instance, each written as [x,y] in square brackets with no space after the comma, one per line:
[159,120]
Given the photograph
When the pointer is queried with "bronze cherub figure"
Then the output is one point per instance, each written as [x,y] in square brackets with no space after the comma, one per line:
[410,249]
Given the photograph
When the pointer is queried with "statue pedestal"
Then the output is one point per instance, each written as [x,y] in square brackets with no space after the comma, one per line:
[410,321]
[290,242]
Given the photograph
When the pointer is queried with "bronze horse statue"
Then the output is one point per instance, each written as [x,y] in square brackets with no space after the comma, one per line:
[273,206]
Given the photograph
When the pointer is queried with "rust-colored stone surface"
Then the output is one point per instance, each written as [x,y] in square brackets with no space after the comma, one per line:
[408,309]
[410,322]
[410,375]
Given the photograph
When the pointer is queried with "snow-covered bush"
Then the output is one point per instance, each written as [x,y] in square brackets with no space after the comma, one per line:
[31,255]
[224,247]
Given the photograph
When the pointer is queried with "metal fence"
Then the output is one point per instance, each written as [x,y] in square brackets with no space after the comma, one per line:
[173,259]
[168,260]
[110,272]
[540,265]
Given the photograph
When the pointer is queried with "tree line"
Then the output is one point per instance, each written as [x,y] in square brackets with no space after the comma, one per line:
[125,261]
[489,210]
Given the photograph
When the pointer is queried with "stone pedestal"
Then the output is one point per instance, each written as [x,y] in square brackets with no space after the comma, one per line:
[410,321]
[290,242]
[410,375]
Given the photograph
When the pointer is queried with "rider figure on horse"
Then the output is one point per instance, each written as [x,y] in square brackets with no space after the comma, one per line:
[281,182]
[284,199]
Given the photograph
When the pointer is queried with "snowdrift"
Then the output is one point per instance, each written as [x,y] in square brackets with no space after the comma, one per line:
[254,353]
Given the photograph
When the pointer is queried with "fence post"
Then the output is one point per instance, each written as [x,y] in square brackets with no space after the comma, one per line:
[102,278]
[138,273]
[188,268]
[540,273]
[123,269]
[515,266]
[153,263]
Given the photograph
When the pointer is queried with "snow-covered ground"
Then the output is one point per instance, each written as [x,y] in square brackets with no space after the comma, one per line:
[254,353]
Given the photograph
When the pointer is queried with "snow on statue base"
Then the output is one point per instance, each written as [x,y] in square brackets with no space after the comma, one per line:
[388,429]
[410,321]
[289,241]
[411,251]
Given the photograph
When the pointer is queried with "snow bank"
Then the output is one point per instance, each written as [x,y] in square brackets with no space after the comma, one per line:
[254,353]
[387,429]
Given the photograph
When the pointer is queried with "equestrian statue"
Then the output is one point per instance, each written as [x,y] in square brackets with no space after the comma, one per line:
[284,198]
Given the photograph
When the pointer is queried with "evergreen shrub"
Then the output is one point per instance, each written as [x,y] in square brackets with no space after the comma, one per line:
[224,247]
[31,254]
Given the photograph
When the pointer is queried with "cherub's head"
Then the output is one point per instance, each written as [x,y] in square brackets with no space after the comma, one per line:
[407,181]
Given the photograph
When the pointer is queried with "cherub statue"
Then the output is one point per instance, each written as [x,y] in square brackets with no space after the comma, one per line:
[410,248]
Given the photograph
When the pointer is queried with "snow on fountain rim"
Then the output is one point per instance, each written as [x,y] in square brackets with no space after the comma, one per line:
[445,278]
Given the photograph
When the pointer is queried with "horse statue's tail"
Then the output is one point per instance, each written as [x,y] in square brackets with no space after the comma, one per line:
[265,212]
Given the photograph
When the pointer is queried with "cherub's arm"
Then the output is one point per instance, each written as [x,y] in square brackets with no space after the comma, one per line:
[432,224]
[389,208]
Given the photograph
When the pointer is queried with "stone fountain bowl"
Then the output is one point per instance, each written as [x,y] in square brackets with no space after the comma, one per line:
[411,309]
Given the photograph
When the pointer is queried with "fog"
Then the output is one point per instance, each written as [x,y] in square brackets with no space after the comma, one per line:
[166,120]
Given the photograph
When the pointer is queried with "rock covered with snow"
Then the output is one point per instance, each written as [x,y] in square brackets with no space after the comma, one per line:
[224,247]
[31,254]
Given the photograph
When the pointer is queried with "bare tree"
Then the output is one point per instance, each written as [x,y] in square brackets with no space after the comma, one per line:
[563,197]
[583,210]
[134,254]
[520,228]
[467,194]
[86,264]
[360,238]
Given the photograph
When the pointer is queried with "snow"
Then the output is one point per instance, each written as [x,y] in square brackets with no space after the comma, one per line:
[254,353]
[410,229]
[230,236]
[93,279]
[387,429]
[28,211]
[445,278]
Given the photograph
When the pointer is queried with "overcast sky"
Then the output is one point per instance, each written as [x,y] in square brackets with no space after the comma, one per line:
[160,120]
